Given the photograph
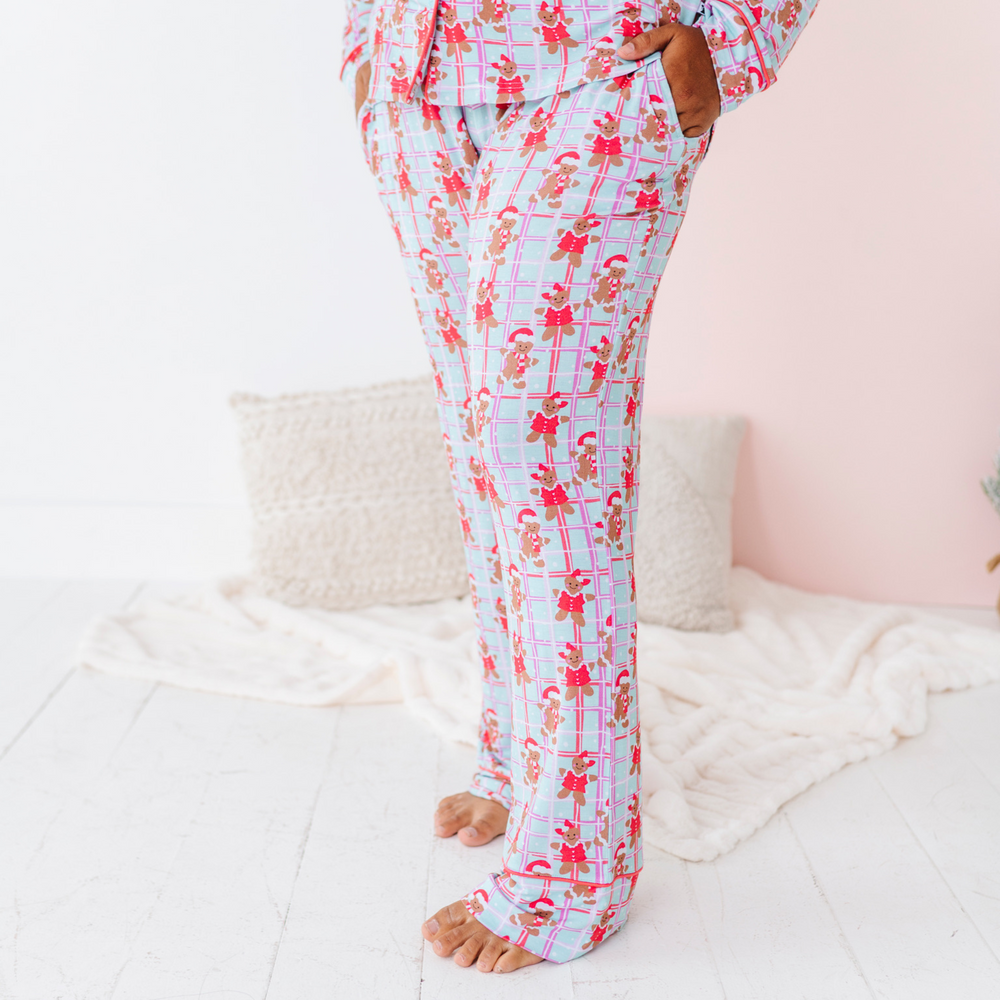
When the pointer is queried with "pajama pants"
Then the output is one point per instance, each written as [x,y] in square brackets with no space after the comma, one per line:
[534,236]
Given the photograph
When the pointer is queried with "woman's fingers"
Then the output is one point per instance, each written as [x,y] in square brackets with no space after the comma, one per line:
[688,66]
[361,81]
[654,40]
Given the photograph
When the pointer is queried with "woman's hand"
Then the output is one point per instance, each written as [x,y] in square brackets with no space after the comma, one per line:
[689,69]
[361,81]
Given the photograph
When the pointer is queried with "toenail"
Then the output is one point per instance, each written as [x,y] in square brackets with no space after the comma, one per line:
[438,946]
[433,926]
[471,831]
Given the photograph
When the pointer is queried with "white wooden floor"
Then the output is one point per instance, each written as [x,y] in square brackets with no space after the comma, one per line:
[158,843]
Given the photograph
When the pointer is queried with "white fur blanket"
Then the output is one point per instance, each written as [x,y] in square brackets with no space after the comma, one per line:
[733,724]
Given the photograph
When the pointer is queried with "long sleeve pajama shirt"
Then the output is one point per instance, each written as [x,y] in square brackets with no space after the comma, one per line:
[536,184]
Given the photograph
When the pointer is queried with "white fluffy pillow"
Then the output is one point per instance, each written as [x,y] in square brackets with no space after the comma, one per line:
[352,504]
[684,544]
[351,497]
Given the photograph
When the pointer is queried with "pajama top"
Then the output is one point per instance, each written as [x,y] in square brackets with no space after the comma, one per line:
[469,52]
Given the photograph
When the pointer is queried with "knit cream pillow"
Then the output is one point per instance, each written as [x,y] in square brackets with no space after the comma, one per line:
[683,550]
[352,504]
[351,497]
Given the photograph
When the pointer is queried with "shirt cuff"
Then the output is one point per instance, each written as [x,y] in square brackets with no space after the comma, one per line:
[740,51]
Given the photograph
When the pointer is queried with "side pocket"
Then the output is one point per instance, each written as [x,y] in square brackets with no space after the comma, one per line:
[659,93]
[658,90]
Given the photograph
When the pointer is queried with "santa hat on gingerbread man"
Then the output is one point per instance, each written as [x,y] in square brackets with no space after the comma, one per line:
[524,333]
[582,439]
[524,513]
[611,260]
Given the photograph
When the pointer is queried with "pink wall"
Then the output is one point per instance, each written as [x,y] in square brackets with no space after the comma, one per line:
[836,281]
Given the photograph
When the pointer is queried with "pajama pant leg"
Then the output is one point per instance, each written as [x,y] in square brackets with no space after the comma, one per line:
[422,179]
[577,200]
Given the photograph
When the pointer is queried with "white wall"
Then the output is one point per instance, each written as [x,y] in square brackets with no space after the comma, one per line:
[184,212]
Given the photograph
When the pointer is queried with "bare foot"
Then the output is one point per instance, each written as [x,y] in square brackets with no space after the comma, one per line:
[455,930]
[476,821]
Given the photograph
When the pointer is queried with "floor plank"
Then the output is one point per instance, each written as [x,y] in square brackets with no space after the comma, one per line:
[46,783]
[772,931]
[353,925]
[953,810]
[38,659]
[95,879]
[216,920]
[970,718]
[909,933]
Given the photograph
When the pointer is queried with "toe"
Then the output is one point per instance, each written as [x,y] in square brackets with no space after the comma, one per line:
[515,958]
[450,816]
[447,942]
[446,824]
[492,950]
[473,836]
[447,918]
[467,954]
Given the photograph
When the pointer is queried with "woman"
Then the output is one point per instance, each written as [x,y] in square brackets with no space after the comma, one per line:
[535,160]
